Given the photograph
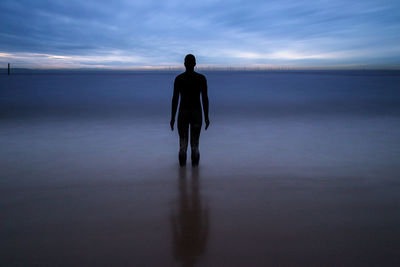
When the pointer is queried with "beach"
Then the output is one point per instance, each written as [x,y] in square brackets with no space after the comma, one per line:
[297,169]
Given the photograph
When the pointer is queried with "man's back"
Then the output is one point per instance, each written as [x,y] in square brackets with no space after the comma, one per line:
[190,85]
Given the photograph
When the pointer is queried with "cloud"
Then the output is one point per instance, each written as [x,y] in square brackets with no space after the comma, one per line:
[126,33]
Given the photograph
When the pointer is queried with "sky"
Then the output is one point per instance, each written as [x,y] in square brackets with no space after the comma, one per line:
[155,34]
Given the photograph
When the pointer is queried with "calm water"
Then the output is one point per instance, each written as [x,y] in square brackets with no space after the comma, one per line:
[297,168]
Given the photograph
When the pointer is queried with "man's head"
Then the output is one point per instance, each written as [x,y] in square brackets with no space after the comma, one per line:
[190,62]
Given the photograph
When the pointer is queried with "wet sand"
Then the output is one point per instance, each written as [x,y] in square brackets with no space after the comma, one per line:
[86,193]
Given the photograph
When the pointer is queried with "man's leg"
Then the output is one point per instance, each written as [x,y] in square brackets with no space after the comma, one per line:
[195,129]
[183,130]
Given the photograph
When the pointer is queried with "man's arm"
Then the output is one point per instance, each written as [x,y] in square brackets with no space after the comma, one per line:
[204,99]
[175,99]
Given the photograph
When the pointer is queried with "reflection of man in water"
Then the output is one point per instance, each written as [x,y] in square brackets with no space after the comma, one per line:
[189,85]
[190,223]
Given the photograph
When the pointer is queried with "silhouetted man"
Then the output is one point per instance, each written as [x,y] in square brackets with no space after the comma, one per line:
[189,85]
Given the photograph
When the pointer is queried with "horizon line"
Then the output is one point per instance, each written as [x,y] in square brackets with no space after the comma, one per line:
[209,68]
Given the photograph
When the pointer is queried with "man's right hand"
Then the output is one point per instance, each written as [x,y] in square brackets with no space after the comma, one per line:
[171,123]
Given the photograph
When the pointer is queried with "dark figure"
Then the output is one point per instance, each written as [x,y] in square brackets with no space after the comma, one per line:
[189,85]
[190,223]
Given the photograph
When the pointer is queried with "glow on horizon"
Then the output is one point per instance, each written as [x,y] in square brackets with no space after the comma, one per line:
[49,61]
[242,34]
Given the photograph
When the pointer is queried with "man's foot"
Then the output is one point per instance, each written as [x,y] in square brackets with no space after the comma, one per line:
[182,158]
[195,158]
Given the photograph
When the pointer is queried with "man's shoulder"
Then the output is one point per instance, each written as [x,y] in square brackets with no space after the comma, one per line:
[179,76]
[200,76]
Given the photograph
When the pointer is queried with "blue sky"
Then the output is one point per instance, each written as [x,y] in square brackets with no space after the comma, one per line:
[129,34]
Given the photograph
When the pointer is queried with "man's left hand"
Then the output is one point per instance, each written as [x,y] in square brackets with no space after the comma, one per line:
[207,123]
